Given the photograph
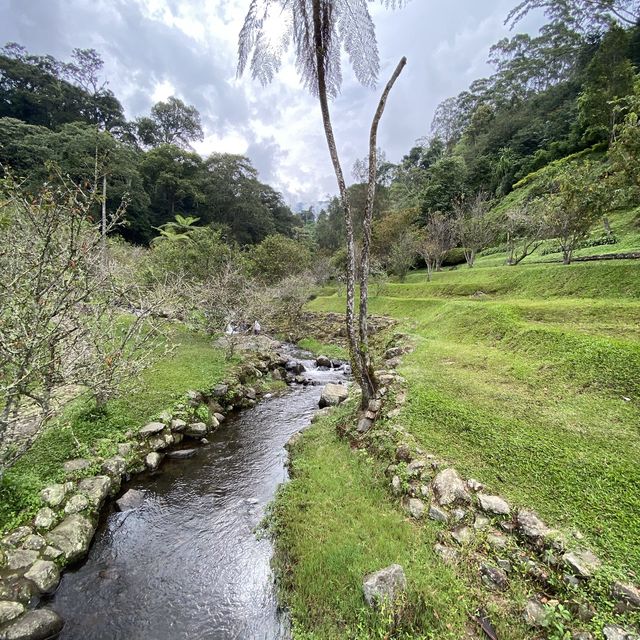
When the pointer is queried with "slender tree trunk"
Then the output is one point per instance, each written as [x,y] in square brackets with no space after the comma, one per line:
[103,220]
[344,196]
[364,354]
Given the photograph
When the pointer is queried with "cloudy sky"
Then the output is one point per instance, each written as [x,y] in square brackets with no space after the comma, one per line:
[157,48]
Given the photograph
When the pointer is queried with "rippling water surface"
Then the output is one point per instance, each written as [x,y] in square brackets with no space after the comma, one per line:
[187,564]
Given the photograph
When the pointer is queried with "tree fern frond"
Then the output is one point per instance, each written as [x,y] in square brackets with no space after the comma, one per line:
[358,36]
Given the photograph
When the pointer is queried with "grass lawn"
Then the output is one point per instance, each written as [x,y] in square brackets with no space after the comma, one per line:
[83,431]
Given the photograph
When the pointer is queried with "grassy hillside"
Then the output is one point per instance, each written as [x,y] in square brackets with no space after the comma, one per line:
[532,386]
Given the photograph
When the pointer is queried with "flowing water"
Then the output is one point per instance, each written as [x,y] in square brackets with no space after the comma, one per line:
[187,564]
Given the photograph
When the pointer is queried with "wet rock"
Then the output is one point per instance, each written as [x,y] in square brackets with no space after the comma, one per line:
[415,508]
[323,362]
[51,553]
[530,525]
[197,430]
[53,495]
[462,534]
[493,577]
[332,395]
[151,429]
[447,554]
[182,454]
[157,444]
[219,417]
[153,460]
[449,488]
[295,368]
[583,563]
[627,595]
[494,504]
[169,439]
[45,519]
[45,575]
[535,613]
[76,504]
[403,453]
[204,441]
[72,536]
[71,466]
[116,466]
[131,499]
[384,585]
[438,514]
[17,589]
[20,558]
[616,632]
[37,624]
[96,489]
[9,610]
[33,542]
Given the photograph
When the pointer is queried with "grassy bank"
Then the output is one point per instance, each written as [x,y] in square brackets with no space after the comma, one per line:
[532,386]
[84,431]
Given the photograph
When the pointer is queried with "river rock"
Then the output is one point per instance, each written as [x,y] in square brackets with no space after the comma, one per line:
[50,553]
[132,499]
[182,454]
[296,368]
[450,488]
[218,416]
[72,536]
[415,508]
[151,429]
[116,466]
[530,525]
[96,489]
[583,563]
[37,624]
[616,632]
[76,504]
[197,430]
[178,425]
[53,495]
[494,504]
[17,559]
[323,362]
[10,610]
[34,542]
[153,460]
[384,585]
[627,595]
[45,575]
[79,464]
[220,390]
[157,444]
[438,514]
[332,395]
[17,536]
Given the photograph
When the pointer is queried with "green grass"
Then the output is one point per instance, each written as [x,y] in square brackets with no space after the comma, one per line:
[334,523]
[86,431]
[318,348]
[533,388]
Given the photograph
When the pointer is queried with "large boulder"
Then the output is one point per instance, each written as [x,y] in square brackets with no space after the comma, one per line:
[37,624]
[450,488]
[332,395]
[384,585]
[197,430]
[153,460]
[323,362]
[76,504]
[17,559]
[9,610]
[72,536]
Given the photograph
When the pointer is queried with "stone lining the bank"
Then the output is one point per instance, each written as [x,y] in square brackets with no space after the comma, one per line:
[32,556]
[484,529]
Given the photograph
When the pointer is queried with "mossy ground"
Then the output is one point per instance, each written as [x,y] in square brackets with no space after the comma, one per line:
[84,431]
[532,386]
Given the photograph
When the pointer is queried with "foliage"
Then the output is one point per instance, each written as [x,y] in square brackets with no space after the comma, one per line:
[171,122]
[473,226]
[278,257]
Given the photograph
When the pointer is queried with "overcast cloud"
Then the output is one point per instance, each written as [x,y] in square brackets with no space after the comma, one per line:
[157,48]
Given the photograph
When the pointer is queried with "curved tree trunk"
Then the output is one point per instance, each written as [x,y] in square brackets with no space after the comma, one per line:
[364,354]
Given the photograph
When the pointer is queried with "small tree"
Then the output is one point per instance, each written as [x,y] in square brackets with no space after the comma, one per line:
[436,239]
[576,200]
[525,227]
[473,226]
[403,254]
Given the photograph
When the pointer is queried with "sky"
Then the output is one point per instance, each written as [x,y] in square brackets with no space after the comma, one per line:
[188,48]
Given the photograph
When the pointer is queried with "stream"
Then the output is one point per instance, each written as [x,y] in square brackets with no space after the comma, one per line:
[187,564]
